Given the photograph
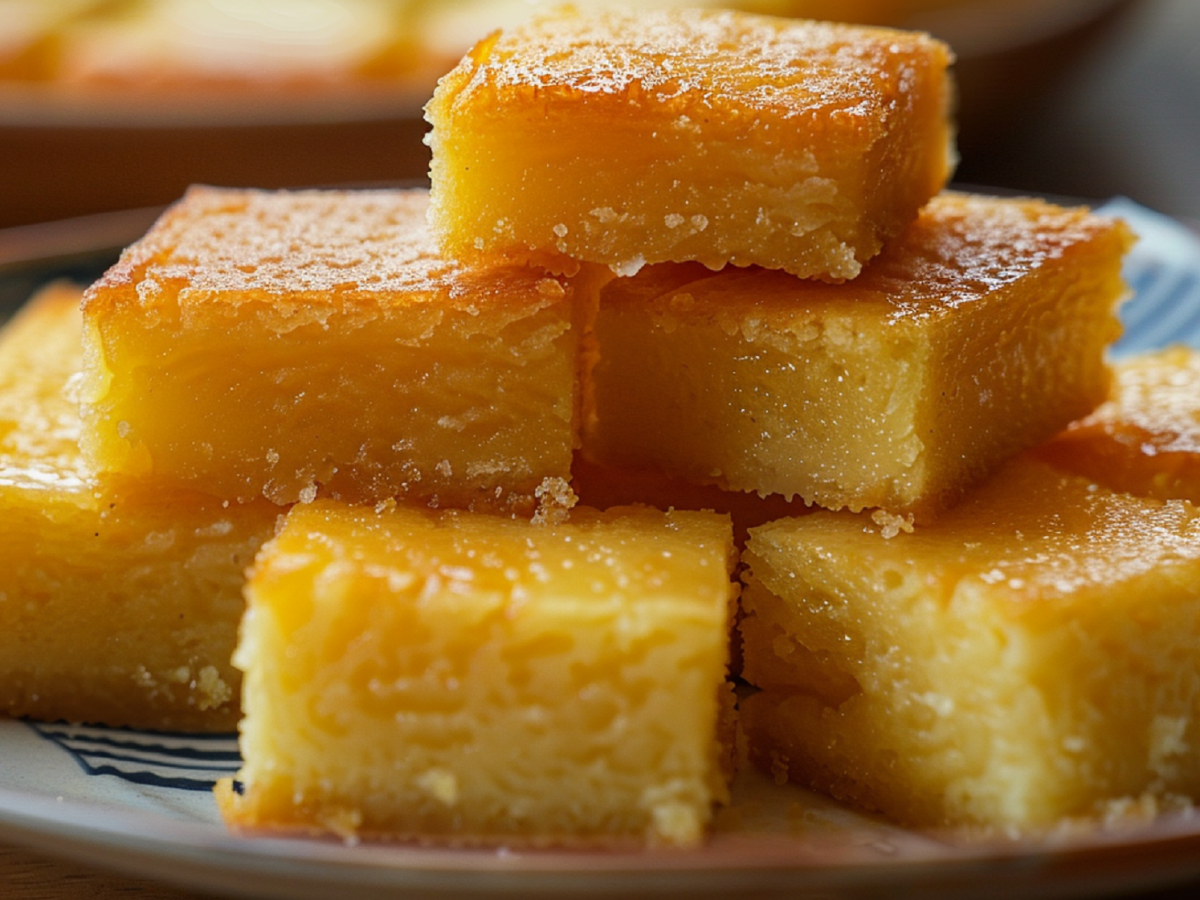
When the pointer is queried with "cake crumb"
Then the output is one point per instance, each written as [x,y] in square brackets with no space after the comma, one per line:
[892,524]
[555,498]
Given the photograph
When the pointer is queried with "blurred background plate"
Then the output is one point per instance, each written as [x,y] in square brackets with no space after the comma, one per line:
[112,104]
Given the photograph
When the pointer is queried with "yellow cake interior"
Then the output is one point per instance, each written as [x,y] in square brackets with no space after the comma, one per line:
[279,344]
[470,678]
[119,599]
[979,332]
[1025,658]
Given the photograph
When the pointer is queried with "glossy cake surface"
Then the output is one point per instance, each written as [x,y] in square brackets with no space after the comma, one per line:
[1145,439]
[119,600]
[979,332]
[628,138]
[277,344]
[1028,657]
[467,678]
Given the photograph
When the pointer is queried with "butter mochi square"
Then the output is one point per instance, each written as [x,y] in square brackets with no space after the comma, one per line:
[466,678]
[119,599]
[634,137]
[1145,438]
[282,344]
[979,332]
[1030,657]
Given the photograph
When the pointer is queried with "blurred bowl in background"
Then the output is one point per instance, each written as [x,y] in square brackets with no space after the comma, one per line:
[111,104]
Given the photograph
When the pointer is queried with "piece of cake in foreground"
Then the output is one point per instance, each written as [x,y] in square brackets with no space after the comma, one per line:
[467,678]
[119,600]
[627,138]
[1145,439]
[979,332]
[276,344]
[1030,656]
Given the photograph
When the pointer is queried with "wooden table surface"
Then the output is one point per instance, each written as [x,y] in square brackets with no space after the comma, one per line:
[30,875]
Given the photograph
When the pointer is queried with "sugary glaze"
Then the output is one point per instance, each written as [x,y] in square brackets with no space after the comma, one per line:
[119,600]
[309,252]
[1030,656]
[813,72]
[279,344]
[1146,438]
[710,135]
[979,332]
[472,679]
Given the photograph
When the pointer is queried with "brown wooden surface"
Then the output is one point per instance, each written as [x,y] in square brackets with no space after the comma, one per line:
[29,875]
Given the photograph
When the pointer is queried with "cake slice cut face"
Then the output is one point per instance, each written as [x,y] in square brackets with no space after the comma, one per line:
[119,599]
[278,344]
[979,332]
[627,138]
[466,678]
[1145,439]
[1029,657]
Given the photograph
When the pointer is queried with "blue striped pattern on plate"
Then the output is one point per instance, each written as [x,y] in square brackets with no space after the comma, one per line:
[1163,270]
[184,762]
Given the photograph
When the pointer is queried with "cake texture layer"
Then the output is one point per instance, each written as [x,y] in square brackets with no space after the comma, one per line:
[463,678]
[627,138]
[119,599]
[979,332]
[1029,657]
[282,344]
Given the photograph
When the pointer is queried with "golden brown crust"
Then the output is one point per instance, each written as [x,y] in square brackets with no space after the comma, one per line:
[232,246]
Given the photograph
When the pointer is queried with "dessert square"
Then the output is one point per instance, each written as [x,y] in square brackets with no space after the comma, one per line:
[979,332]
[280,344]
[1027,658]
[1145,439]
[627,138]
[119,600]
[467,678]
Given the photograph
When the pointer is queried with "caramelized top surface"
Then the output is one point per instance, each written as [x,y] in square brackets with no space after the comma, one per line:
[1030,534]
[961,248]
[40,352]
[714,58]
[623,554]
[1155,403]
[236,245]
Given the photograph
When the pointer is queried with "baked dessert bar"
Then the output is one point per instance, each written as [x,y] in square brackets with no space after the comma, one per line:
[277,344]
[119,600]
[1145,439]
[1029,657]
[627,138]
[979,332]
[466,678]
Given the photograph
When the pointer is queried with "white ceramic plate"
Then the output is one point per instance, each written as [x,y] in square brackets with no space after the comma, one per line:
[140,802]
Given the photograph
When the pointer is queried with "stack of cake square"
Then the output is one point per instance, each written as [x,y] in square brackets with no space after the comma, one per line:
[695,258]
[800,313]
